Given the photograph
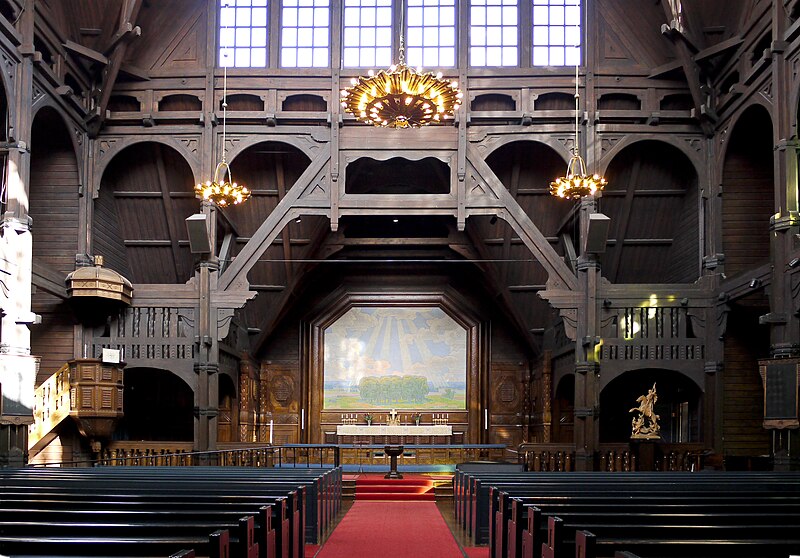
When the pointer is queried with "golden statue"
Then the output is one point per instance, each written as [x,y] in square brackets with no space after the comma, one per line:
[645,425]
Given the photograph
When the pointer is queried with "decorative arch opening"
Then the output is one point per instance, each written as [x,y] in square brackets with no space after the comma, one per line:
[176,103]
[158,406]
[526,168]
[146,193]
[678,101]
[678,405]
[554,101]
[304,103]
[619,101]
[397,176]
[493,102]
[748,192]
[53,204]
[124,103]
[244,102]
[652,199]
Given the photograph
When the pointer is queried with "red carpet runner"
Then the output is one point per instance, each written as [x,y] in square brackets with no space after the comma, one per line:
[396,529]
[410,488]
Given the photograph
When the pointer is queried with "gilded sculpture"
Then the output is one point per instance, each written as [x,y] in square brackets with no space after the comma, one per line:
[644,426]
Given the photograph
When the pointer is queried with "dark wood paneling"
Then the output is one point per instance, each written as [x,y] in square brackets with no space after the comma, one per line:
[743,394]
[54,193]
[108,241]
[52,340]
[747,193]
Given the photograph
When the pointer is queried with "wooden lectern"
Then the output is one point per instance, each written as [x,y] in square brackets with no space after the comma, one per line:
[393,452]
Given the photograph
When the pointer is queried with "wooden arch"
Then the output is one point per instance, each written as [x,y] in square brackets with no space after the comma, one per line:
[107,149]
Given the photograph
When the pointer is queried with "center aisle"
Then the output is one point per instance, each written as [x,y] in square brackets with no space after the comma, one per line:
[397,529]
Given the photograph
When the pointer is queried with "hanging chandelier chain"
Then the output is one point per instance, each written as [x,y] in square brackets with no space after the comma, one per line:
[221,190]
[575,150]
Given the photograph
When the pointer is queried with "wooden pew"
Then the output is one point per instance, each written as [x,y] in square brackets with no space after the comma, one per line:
[132,485]
[698,539]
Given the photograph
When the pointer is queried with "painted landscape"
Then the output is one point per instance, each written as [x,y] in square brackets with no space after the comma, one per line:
[395,358]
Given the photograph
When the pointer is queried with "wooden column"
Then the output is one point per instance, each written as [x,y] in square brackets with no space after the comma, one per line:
[784,224]
[17,366]
[587,369]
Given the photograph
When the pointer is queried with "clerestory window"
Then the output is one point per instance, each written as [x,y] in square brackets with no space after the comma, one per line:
[243,33]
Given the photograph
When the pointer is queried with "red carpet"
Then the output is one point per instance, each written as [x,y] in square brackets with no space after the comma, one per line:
[477,551]
[311,550]
[396,529]
[409,488]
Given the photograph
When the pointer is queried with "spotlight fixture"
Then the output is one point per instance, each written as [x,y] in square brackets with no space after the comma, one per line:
[298,220]
[755,283]
[793,262]
[577,182]
[493,220]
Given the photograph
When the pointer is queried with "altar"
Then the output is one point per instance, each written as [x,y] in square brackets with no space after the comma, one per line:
[394,434]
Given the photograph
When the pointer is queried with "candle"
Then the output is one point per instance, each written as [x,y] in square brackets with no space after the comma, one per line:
[302,419]
[270,431]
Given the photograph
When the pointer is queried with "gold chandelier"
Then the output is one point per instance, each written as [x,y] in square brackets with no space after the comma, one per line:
[402,97]
[577,182]
[222,190]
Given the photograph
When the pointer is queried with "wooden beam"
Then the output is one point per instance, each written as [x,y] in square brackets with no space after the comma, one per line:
[169,211]
[277,310]
[718,49]
[625,217]
[280,180]
[702,111]
[116,54]
[558,272]
[477,250]
[87,53]
[47,279]
[513,186]
[288,208]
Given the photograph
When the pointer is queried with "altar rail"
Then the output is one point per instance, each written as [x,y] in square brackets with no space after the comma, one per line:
[423,454]
[611,457]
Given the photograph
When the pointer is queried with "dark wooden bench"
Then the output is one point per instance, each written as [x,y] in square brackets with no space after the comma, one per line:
[322,497]
[684,489]
[698,539]
[166,489]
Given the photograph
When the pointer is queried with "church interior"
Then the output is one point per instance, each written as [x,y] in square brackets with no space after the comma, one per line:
[273,232]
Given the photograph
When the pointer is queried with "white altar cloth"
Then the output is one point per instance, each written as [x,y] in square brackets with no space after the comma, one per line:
[403,430]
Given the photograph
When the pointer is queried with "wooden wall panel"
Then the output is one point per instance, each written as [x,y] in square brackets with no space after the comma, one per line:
[743,394]
[684,255]
[631,41]
[747,192]
[283,400]
[108,241]
[53,339]
[53,193]
[181,43]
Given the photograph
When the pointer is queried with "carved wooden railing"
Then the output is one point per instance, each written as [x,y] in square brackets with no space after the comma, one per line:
[652,333]
[124,453]
[611,457]
[546,457]
[88,390]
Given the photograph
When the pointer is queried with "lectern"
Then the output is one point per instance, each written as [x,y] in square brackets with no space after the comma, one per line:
[393,452]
